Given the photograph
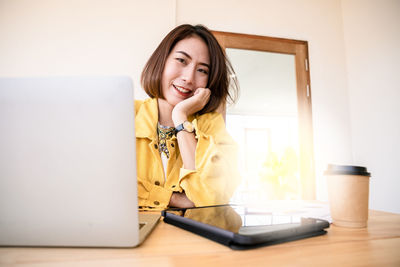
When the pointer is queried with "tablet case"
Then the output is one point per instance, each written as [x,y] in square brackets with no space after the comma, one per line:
[241,242]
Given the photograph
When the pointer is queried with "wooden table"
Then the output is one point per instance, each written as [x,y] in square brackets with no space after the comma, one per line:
[377,245]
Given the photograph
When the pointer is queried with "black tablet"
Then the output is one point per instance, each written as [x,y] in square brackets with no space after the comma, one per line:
[242,227]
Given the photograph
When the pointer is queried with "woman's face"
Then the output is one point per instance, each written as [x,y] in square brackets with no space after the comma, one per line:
[186,69]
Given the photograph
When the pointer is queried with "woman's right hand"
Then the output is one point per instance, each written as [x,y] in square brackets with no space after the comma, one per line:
[190,105]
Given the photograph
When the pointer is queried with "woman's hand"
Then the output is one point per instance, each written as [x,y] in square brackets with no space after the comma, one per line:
[190,105]
[180,200]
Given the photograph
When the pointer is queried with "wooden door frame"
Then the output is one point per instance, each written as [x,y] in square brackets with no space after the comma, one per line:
[300,51]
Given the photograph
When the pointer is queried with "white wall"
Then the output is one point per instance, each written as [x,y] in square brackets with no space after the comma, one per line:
[59,37]
[77,37]
[372,38]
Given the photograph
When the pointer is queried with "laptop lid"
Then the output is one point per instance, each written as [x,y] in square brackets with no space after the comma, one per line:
[68,162]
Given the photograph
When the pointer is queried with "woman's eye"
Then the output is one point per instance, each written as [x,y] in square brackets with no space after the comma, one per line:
[181,60]
[203,71]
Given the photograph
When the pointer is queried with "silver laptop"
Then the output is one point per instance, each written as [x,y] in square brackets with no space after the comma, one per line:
[68,163]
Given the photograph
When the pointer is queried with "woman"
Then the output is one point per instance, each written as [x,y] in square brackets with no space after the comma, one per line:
[185,157]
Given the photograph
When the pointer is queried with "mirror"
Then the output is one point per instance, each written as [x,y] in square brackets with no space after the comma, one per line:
[264,124]
[268,80]
[271,120]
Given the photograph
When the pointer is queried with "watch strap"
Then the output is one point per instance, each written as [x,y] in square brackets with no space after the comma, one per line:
[179,128]
[185,126]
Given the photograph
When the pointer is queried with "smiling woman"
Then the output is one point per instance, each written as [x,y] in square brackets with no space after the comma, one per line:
[185,156]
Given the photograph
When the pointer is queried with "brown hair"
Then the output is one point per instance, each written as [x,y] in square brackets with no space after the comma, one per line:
[220,71]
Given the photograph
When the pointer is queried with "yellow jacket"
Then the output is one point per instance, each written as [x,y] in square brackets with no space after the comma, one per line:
[216,176]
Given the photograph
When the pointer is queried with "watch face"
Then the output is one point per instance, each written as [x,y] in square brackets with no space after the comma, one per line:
[188,126]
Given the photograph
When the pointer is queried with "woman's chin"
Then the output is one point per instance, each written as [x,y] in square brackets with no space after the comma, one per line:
[172,101]
[176,99]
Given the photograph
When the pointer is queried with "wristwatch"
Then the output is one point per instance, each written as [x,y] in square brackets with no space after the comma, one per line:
[185,126]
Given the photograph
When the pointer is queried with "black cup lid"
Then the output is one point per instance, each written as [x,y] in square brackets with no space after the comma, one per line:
[346,169]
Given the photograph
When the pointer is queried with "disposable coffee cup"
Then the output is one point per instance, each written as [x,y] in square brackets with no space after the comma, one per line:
[348,189]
